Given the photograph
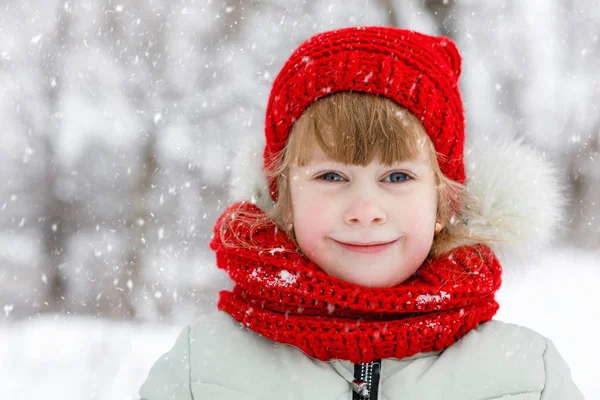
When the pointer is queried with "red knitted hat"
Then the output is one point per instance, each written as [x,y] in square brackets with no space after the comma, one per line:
[417,71]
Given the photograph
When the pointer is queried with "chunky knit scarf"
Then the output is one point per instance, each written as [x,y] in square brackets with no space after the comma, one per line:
[281,295]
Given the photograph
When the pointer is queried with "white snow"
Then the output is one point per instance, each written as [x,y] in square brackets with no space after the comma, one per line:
[286,278]
[75,358]
[60,357]
[276,250]
[283,278]
[432,298]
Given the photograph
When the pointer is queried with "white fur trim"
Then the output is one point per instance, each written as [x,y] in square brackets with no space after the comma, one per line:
[248,181]
[519,195]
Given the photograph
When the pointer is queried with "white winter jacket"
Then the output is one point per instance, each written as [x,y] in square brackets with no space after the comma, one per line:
[218,358]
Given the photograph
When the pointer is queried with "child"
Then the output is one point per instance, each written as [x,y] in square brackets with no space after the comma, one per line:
[371,275]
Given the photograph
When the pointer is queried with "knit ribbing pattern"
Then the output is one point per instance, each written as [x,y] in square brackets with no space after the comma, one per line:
[281,295]
[417,71]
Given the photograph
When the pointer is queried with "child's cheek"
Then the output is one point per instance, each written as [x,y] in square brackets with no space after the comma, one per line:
[422,213]
[418,219]
[312,216]
[310,227]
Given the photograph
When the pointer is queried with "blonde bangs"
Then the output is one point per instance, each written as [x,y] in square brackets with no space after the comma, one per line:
[357,128]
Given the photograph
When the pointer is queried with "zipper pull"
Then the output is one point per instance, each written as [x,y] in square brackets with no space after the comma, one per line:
[360,387]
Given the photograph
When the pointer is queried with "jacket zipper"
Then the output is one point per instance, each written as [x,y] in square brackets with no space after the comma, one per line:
[366,380]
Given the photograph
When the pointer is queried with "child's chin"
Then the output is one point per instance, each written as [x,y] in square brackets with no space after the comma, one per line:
[381,282]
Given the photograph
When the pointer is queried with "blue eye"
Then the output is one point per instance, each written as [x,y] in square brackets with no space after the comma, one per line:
[331,177]
[396,177]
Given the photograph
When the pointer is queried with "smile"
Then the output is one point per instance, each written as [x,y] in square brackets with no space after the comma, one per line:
[366,248]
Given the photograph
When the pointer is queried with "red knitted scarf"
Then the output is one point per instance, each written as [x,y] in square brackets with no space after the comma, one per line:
[283,296]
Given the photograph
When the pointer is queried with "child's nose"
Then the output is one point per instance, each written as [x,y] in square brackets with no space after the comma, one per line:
[365,212]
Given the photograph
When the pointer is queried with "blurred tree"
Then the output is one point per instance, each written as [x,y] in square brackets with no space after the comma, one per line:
[57,210]
[442,10]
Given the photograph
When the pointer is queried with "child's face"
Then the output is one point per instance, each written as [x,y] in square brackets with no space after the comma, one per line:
[372,226]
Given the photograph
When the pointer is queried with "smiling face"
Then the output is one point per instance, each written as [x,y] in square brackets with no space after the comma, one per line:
[369,225]
[363,196]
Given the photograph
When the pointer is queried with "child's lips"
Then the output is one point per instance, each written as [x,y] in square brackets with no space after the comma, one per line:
[367,248]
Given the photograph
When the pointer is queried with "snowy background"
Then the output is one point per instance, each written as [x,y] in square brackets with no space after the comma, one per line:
[119,121]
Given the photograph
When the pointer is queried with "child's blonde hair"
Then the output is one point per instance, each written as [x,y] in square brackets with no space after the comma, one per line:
[358,128]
